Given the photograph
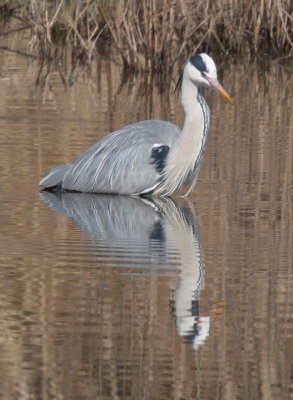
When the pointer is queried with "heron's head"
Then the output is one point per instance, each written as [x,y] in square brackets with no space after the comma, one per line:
[202,71]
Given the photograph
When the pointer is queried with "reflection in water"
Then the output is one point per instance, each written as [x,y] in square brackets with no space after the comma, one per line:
[153,228]
[80,321]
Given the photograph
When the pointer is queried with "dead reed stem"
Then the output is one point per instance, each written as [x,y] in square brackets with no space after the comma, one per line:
[154,34]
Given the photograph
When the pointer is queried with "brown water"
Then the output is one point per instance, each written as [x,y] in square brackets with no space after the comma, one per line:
[108,297]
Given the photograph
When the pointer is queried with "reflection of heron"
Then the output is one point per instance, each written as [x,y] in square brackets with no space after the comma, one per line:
[155,235]
[148,157]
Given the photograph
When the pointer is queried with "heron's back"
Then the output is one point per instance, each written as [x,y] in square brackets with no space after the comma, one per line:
[119,163]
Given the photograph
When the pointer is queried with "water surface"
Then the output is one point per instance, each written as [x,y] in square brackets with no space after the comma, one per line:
[107,297]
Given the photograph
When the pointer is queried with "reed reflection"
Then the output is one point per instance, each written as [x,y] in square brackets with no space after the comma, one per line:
[155,235]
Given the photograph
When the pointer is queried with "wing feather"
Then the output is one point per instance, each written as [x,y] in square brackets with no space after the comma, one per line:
[120,163]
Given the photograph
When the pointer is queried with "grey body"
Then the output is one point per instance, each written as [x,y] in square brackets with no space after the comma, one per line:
[148,157]
[108,165]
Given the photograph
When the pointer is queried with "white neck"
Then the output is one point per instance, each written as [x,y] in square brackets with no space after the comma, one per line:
[193,128]
[188,149]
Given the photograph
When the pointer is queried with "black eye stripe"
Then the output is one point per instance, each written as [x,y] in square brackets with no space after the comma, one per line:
[198,63]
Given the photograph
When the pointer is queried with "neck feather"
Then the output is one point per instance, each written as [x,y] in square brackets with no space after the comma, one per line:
[185,156]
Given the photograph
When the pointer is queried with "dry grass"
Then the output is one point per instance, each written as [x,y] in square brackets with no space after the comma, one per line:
[154,34]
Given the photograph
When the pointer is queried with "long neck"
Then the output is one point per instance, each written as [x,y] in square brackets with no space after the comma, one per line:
[196,121]
[186,154]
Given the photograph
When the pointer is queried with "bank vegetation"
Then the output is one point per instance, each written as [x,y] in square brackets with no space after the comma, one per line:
[151,34]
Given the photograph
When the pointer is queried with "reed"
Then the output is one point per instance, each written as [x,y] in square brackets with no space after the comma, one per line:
[154,34]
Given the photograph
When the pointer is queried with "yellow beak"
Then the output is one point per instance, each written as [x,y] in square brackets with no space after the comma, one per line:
[219,88]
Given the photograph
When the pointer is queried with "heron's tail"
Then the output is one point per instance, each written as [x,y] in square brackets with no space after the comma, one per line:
[54,177]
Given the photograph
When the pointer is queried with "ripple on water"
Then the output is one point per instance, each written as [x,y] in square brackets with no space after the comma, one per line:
[105,297]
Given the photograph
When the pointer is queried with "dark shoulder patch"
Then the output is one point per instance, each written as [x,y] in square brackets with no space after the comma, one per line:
[158,156]
[198,63]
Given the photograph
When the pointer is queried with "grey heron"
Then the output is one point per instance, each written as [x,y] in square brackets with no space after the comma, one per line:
[149,157]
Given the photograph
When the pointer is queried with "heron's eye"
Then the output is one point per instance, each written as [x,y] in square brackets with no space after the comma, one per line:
[203,74]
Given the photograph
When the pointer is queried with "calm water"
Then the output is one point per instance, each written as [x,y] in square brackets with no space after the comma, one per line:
[109,297]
